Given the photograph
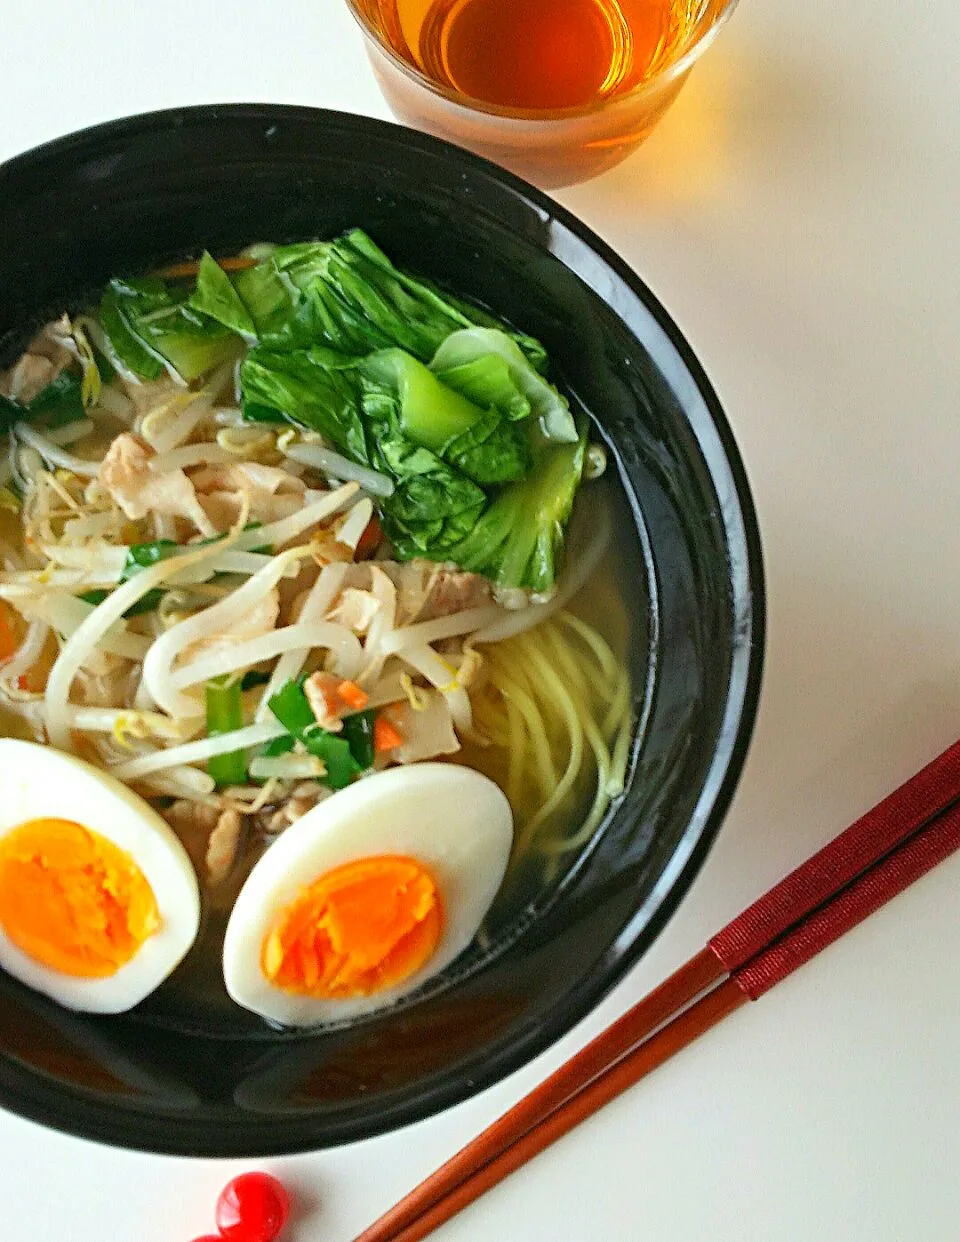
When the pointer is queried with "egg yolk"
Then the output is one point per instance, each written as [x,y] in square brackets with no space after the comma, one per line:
[357,929]
[72,900]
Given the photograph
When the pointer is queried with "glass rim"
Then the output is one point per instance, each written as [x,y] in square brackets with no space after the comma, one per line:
[674,69]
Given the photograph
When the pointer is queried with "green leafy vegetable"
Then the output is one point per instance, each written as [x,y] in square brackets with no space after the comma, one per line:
[462,348]
[118,308]
[433,504]
[347,294]
[519,540]
[291,708]
[254,412]
[224,704]
[401,390]
[487,381]
[216,297]
[429,413]
[271,302]
[150,322]
[315,387]
[438,395]
[491,451]
[533,350]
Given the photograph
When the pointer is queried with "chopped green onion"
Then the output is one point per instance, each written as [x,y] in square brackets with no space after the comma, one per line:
[279,746]
[291,708]
[336,755]
[61,402]
[358,730]
[225,715]
[139,556]
[148,603]
[254,678]
[144,555]
[57,404]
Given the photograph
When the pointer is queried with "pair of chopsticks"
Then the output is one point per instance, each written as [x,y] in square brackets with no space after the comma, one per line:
[880,855]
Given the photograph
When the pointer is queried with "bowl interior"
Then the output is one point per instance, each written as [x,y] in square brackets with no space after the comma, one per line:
[124,196]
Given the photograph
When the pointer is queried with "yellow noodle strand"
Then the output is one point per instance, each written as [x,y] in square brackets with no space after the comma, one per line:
[618,708]
[517,750]
[557,700]
[605,657]
[601,797]
[544,768]
[553,684]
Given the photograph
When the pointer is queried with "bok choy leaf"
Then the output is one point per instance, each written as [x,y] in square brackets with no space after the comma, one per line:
[215,297]
[314,388]
[433,504]
[463,348]
[348,295]
[520,538]
[150,324]
[478,441]
[487,381]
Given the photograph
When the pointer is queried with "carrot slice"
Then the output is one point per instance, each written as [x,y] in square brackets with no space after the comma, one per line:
[352,695]
[180,271]
[386,736]
[370,539]
[8,641]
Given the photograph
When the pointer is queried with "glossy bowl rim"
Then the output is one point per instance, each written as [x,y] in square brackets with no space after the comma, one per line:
[73,1112]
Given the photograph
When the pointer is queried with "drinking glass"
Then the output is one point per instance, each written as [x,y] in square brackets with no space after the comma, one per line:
[550,147]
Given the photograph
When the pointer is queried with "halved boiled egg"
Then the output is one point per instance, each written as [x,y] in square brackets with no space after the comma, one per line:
[368,895]
[98,898]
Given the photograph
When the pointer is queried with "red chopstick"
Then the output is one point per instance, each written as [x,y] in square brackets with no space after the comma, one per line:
[880,855]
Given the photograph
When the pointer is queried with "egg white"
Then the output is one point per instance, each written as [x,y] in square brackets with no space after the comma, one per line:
[41,783]
[454,821]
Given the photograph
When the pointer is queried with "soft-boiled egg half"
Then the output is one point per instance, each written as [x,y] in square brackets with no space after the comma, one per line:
[98,898]
[368,895]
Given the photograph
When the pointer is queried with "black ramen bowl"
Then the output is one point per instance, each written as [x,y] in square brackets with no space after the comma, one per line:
[124,196]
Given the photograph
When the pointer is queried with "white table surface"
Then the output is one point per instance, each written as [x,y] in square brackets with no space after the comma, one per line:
[797,213]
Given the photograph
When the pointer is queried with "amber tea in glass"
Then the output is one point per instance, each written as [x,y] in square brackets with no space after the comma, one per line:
[555,89]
